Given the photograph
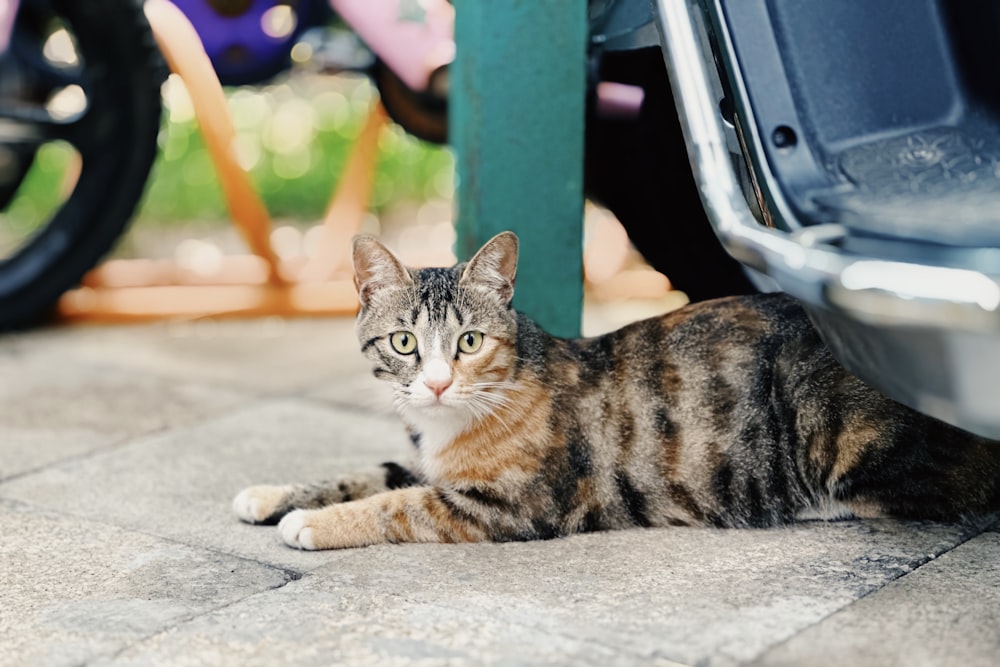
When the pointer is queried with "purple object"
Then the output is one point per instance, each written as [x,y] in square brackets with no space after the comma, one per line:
[236,40]
[414,43]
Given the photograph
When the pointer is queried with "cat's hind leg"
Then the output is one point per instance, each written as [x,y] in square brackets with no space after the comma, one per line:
[267,504]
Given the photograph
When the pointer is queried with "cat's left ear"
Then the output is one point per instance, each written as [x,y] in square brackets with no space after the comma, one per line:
[494,266]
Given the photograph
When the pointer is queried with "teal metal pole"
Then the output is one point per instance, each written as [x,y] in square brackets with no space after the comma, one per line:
[516,122]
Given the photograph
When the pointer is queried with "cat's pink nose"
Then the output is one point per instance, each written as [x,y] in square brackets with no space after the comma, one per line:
[438,386]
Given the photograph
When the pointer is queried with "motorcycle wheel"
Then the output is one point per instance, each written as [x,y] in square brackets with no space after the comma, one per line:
[80,79]
[424,115]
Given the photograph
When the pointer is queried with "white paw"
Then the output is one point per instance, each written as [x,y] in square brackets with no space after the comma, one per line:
[295,532]
[255,503]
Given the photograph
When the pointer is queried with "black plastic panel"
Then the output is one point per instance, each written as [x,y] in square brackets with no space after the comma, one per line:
[892,106]
[853,66]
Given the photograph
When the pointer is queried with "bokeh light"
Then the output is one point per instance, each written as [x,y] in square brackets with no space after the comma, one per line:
[279,21]
[60,49]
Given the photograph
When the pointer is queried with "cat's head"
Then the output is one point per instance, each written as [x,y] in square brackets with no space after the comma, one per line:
[446,337]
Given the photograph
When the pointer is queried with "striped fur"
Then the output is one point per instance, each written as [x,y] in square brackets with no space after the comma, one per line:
[725,413]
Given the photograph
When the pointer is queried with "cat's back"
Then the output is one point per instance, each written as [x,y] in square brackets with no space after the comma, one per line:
[733,322]
[715,345]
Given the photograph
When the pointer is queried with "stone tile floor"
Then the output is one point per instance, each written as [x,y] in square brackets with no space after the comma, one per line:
[122,446]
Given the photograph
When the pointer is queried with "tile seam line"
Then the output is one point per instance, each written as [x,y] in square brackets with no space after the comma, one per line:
[920,563]
[186,619]
[291,574]
[180,622]
[113,446]
[130,439]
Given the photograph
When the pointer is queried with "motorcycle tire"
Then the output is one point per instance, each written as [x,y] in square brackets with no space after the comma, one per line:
[120,72]
[423,115]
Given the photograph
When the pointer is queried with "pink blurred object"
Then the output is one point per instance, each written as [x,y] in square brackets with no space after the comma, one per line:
[619,100]
[414,46]
[8,12]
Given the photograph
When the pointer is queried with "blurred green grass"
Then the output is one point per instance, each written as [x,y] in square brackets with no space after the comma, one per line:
[294,137]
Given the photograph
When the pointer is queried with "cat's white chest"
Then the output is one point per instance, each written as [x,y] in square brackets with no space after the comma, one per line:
[436,431]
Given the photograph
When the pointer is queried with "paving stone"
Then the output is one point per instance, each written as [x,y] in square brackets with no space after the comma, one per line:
[945,613]
[269,355]
[180,484]
[53,407]
[694,596]
[362,391]
[74,590]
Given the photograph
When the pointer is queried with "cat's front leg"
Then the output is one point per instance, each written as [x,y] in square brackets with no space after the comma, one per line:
[416,514]
[267,504]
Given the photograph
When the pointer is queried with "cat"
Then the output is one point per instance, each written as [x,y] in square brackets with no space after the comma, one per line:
[728,413]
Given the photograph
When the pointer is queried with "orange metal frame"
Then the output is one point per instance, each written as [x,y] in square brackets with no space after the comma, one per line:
[247,285]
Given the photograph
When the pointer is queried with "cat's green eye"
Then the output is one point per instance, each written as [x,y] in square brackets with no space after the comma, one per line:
[403,342]
[470,341]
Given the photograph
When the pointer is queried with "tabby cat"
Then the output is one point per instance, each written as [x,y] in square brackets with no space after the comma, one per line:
[724,413]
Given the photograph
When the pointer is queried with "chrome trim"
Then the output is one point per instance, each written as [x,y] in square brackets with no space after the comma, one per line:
[804,263]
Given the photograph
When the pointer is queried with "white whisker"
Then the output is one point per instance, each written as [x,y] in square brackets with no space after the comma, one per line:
[401,396]
[484,399]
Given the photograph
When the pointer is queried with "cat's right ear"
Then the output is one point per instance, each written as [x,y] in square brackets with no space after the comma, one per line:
[375,268]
